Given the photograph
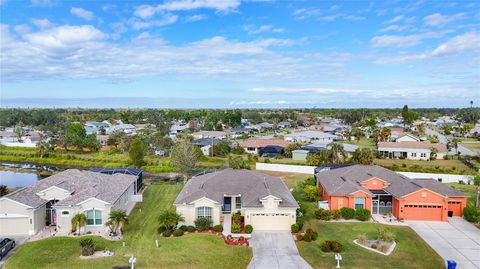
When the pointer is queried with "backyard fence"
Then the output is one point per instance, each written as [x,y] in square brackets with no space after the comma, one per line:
[445,178]
[301,169]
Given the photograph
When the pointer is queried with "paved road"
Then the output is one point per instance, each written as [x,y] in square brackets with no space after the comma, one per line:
[441,138]
[18,242]
[275,250]
[444,140]
[454,240]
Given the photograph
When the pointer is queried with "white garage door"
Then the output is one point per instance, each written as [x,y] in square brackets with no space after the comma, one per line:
[271,221]
[14,226]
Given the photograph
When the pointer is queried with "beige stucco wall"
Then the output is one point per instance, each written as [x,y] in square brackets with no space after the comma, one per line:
[189,211]
[270,205]
[64,225]
[20,219]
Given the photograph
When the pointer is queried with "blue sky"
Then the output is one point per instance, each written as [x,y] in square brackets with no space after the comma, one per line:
[233,53]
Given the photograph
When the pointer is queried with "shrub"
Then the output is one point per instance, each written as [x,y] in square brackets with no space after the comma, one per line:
[373,245]
[190,229]
[323,214]
[383,248]
[336,214]
[203,223]
[310,235]
[295,228]
[471,214]
[299,237]
[184,228]
[178,232]
[347,212]
[331,246]
[88,246]
[167,233]
[362,214]
[236,228]
[218,228]
[311,193]
[300,223]
[237,217]
[362,239]
[161,229]
[241,239]
[248,229]
[266,160]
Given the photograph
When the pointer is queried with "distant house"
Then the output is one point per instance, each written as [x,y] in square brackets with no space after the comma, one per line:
[28,140]
[177,128]
[263,200]
[407,138]
[271,151]
[210,134]
[383,191]
[396,132]
[310,136]
[102,139]
[475,132]
[417,150]
[56,199]
[255,145]
[266,125]
[302,153]
[205,144]
[284,124]
[142,126]
[124,127]
[96,127]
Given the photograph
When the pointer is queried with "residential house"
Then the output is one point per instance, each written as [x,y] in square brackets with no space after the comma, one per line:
[53,201]
[28,139]
[416,150]
[310,136]
[142,126]
[96,127]
[103,139]
[263,200]
[284,124]
[210,134]
[407,138]
[124,127]
[177,128]
[128,171]
[395,132]
[302,153]
[383,191]
[205,144]
[255,145]
[271,151]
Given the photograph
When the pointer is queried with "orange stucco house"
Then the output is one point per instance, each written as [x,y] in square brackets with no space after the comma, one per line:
[383,191]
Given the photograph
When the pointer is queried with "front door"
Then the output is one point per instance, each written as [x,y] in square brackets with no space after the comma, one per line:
[374,206]
[227,204]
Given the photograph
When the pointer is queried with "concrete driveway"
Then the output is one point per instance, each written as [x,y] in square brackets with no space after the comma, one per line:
[18,242]
[454,240]
[275,250]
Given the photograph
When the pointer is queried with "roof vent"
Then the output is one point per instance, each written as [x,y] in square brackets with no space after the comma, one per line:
[343,179]
[201,187]
[370,174]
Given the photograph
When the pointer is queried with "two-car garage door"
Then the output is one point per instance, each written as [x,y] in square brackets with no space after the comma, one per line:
[423,212]
[271,221]
[14,226]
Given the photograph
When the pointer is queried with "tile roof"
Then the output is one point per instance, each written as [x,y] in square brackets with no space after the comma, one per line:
[413,145]
[260,143]
[82,185]
[343,181]
[252,186]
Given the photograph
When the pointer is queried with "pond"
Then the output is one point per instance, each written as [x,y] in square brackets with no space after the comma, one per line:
[21,175]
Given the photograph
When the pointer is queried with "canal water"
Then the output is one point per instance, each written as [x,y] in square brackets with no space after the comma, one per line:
[20,175]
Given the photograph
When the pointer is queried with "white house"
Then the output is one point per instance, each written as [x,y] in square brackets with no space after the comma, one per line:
[407,138]
[310,136]
[263,200]
[53,201]
[411,150]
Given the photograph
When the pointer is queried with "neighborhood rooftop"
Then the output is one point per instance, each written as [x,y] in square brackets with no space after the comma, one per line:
[250,185]
[81,184]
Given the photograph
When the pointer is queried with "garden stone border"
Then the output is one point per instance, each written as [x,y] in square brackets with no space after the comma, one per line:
[390,250]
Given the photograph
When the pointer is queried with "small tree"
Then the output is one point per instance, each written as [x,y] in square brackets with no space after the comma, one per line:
[185,157]
[288,150]
[220,149]
[136,152]
[169,219]
[433,153]
[237,163]
[311,193]
[363,156]
[3,190]
[117,218]
[78,221]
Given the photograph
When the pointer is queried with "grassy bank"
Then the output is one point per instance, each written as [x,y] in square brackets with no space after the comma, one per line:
[433,166]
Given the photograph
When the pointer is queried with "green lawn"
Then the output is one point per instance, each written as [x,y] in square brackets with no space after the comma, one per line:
[363,143]
[411,251]
[474,146]
[195,250]
[433,166]
[467,189]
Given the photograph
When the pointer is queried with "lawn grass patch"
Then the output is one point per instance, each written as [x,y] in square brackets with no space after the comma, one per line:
[411,250]
[433,166]
[197,250]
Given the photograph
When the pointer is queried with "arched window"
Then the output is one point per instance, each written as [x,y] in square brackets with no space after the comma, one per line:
[382,203]
[94,217]
[389,203]
[204,212]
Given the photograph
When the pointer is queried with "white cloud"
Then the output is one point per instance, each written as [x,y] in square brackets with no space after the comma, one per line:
[148,11]
[395,19]
[166,19]
[197,17]
[306,91]
[42,23]
[396,27]
[42,3]
[458,44]
[439,20]
[82,13]
[406,41]
[253,30]
[22,29]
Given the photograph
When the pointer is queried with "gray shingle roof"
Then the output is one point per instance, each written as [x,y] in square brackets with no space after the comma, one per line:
[252,187]
[82,184]
[344,181]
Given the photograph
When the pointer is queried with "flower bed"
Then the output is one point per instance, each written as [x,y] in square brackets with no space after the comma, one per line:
[377,246]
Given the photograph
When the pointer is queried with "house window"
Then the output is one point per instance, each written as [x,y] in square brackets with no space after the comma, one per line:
[423,154]
[94,217]
[359,202]
[204,212]
[238,202]
[414,154]
[65,213]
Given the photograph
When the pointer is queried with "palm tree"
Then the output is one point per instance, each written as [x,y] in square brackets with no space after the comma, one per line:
[337,153]
[117,218]
[169,219]
[78,221]
[433,153]
[471,103]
